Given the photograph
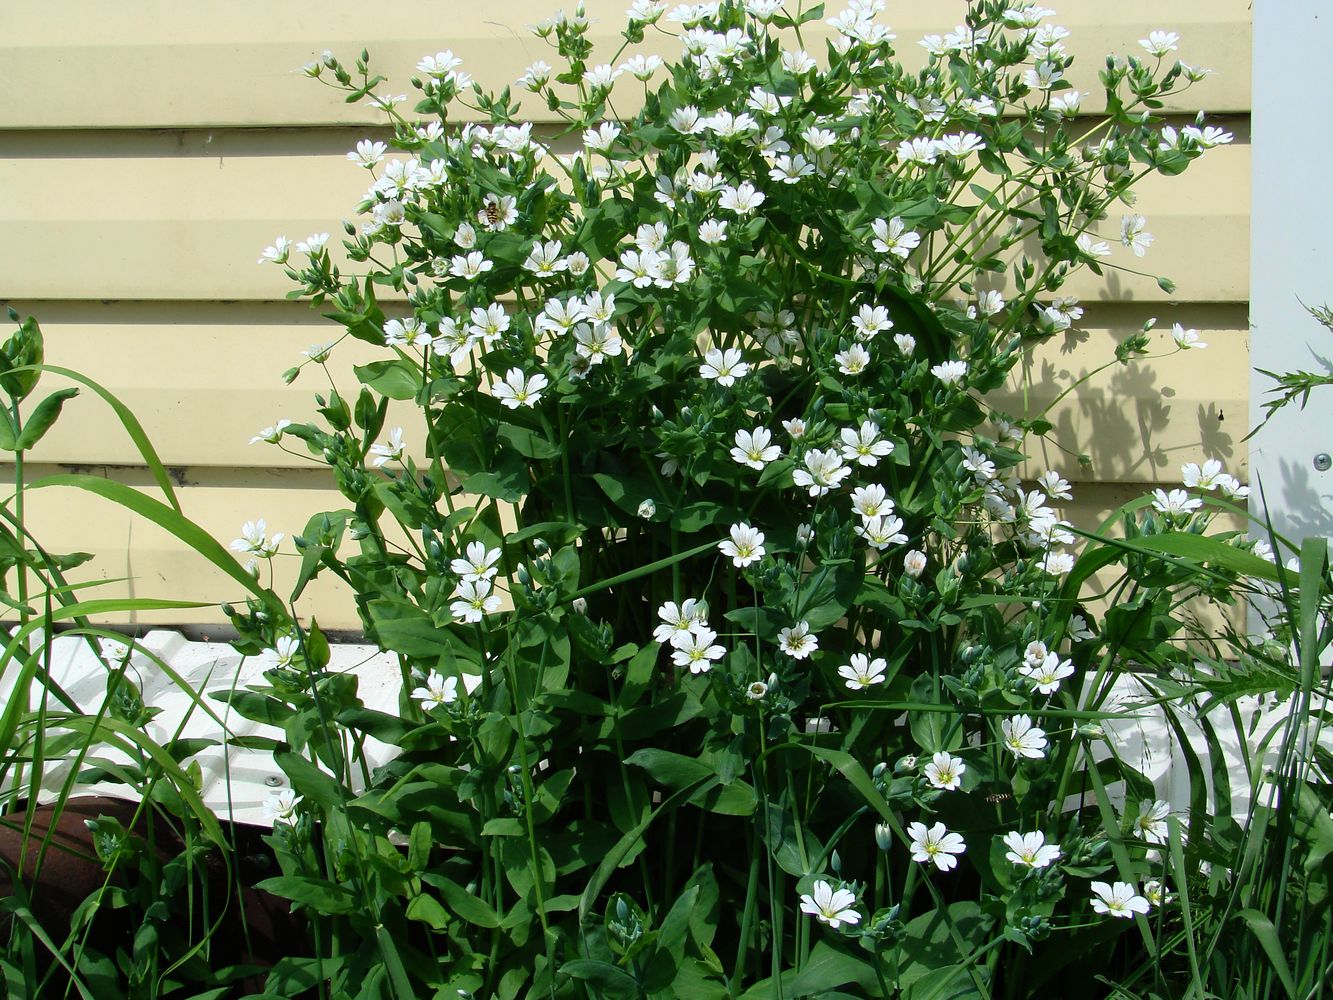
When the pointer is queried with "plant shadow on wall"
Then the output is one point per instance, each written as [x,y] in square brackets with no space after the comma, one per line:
[736,660]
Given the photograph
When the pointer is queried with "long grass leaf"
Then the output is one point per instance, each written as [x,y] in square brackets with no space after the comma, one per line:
[171,520]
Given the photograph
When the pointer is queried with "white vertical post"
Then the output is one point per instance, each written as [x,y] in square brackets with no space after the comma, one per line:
[1291,260]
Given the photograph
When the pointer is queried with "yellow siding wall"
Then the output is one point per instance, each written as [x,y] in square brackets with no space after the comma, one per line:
[149,151]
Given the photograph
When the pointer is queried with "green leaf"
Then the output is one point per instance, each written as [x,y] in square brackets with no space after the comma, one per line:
[318,894]
[675,771]
[311,782]
[41,419]
[396,379]
[469,907]
[605,976]
[427,910]
[173,522]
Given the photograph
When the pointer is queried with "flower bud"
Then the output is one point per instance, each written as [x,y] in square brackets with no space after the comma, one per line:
[883,836]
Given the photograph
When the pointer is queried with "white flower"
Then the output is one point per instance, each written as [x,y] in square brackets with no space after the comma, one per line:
[742,199]
[596,342]
[1055,486]
[1159,43]
[603,137]
[544,260]
[1204,478]
[945,771]
[864,446]
[805,534]
[313,243]
[757,691]
[753,448]
[863,672]
[1150,824]
[795,428]
[518,389]
[935,845]
[746,545]
[1186,339]
[695,649]
[798,62]
[689,616]
[725,367]
[960,145]
[790,169]
[905,343]
[277,253]
[950,372]
[1119,900]
[881,532]
[1047,675]
[642,67]
[1022,738]
[498,212]
[1044,75]
[1155,893]
[1078,629]
[535,77]
[439,64]
[438,690]
[471,266]
[1057,563]
[797,642]
[271,435]
[1132,234]
[391,452]
[989,303]
[921,150]
[254,540]
[1030,849]
[475,600]
[712,231]
[1091,247]
[465,236]
[686,120]
[410,332]
[368,154]
[830,906]
[601,77]
[914,563]
[1177,503]
[823,471]
[725,125]
[870,320]
[871,501]
[818,139]
[280,807]
[852,361]
[283,653]
[1206,138]
[893,237]
[1066,103]
[978,463]
[478,563]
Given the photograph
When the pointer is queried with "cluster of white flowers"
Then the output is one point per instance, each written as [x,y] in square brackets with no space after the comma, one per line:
[684,627]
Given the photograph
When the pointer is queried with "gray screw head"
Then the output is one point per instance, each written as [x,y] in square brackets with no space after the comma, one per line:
[273,781]
[1323,462]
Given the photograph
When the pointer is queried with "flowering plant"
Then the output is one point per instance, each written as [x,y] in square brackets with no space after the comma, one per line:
[736,655]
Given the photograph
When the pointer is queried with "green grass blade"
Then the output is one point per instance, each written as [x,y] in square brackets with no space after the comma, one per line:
[171,520]
[127,420]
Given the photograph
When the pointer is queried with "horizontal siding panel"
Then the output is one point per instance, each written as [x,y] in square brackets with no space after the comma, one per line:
[185,216]
[156,64]
[159,566]
[1138,423]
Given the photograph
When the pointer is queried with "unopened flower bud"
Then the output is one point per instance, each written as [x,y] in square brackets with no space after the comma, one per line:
[914,563]
[647,509]
[883,836]
[580,605]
